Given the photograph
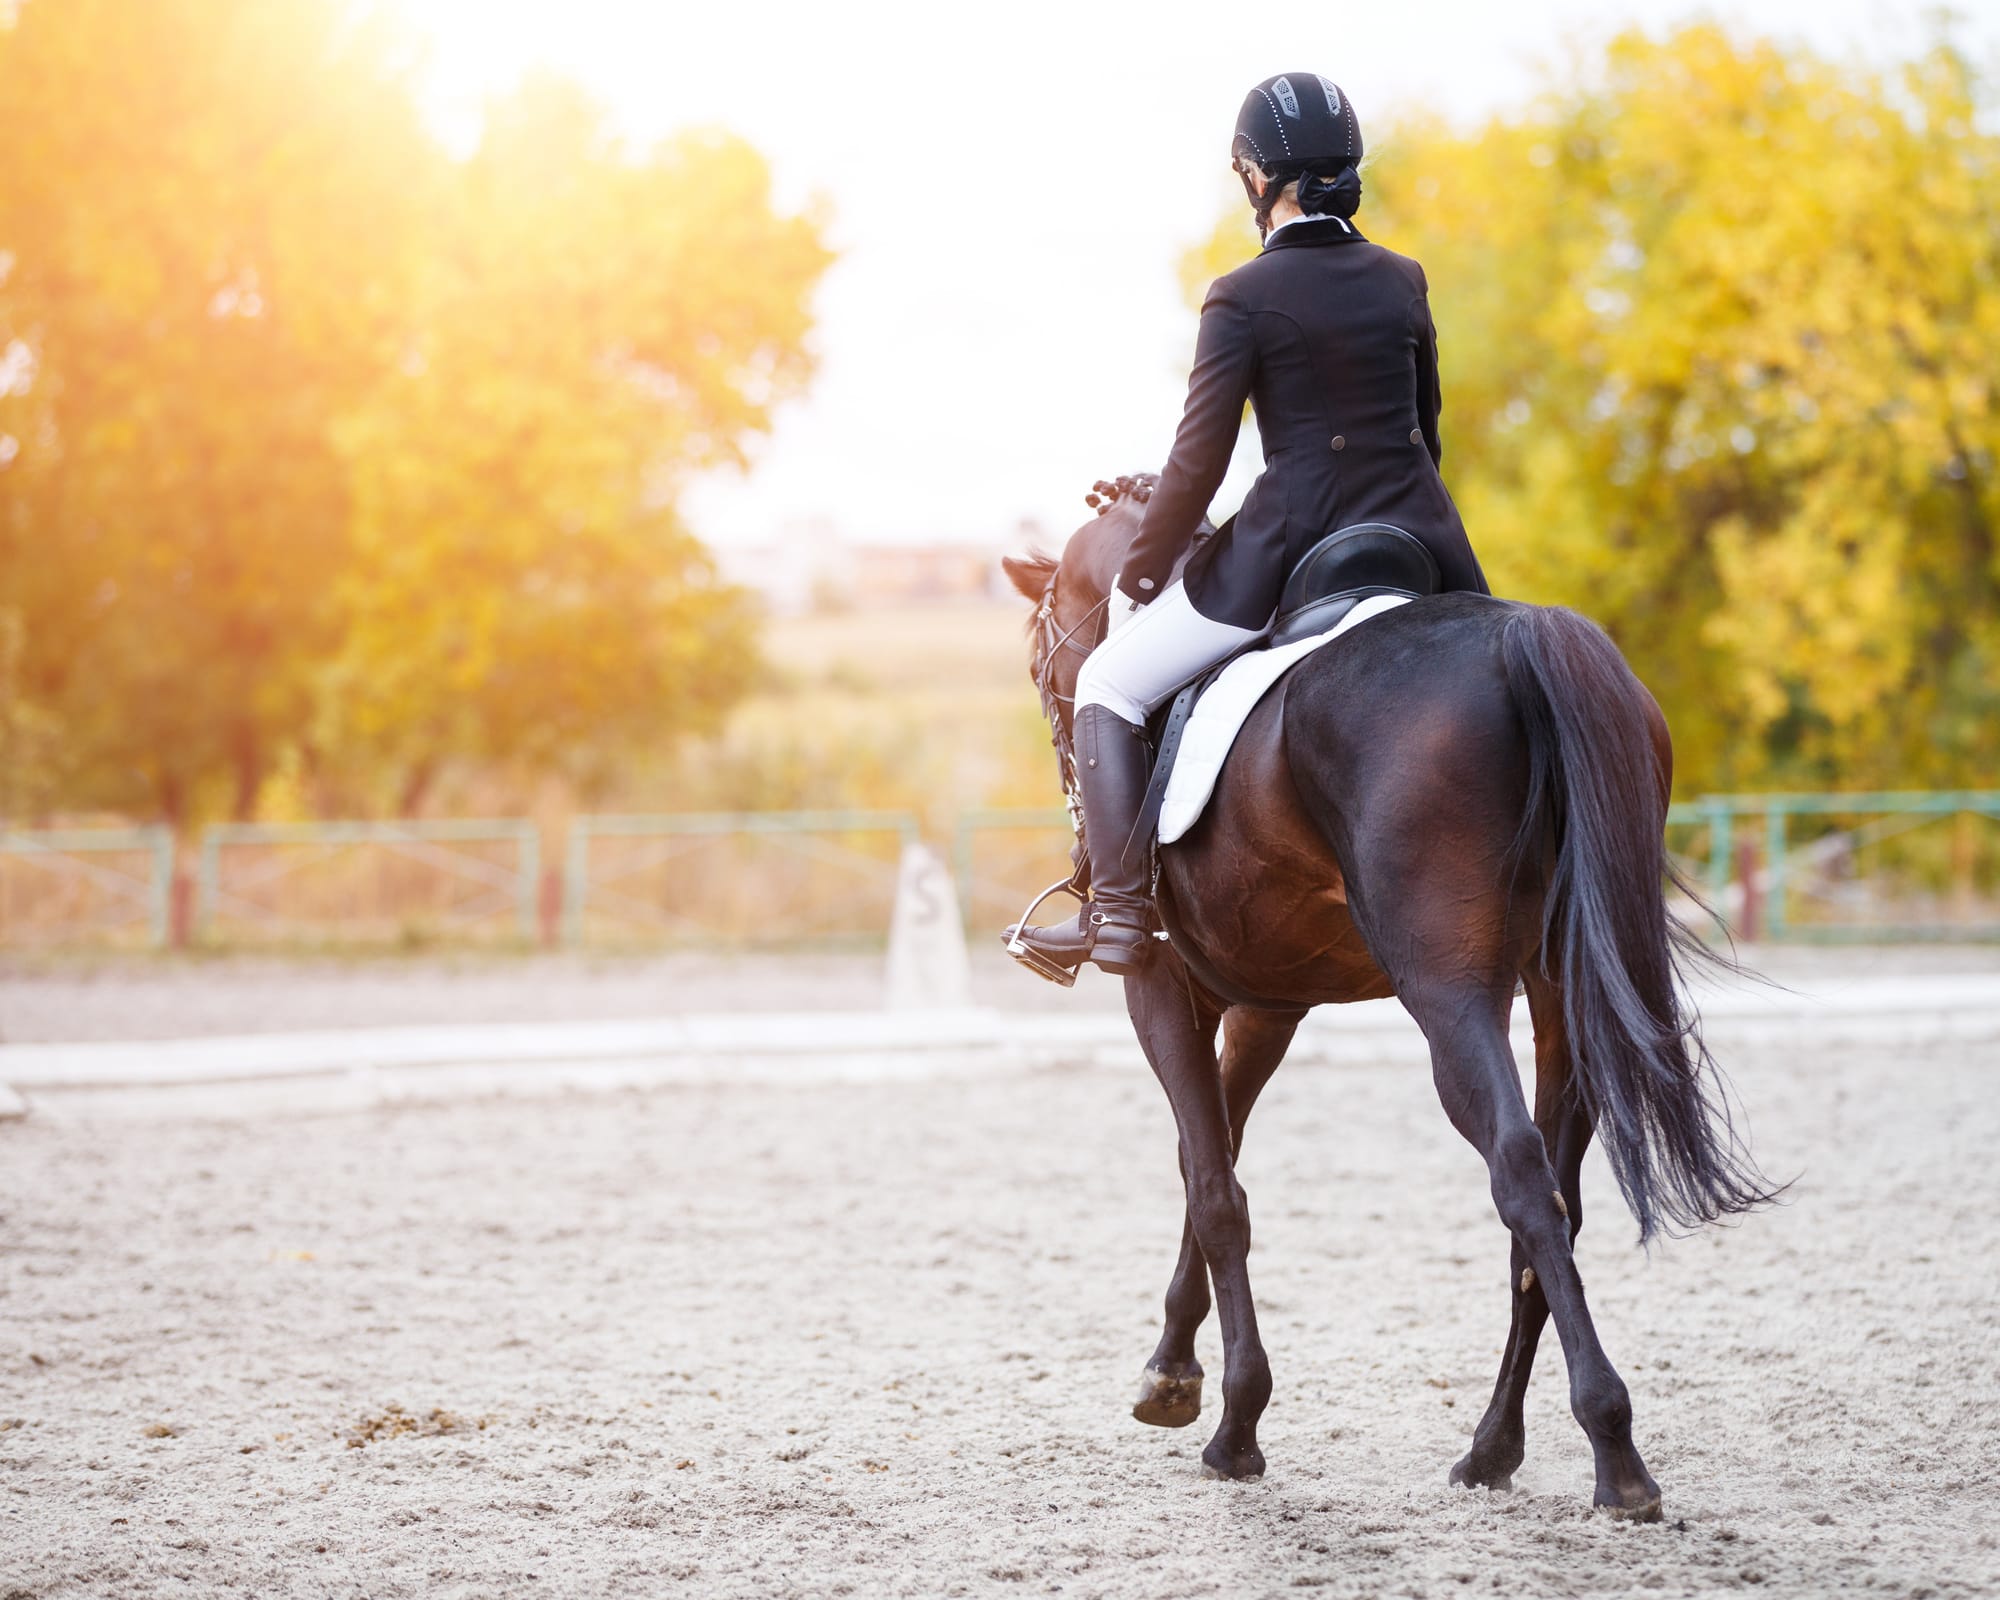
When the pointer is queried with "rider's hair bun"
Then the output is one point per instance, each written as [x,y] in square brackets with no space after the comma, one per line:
[1335,194]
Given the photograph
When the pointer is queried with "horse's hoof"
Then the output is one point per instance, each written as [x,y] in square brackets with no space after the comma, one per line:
[1467,1476]
[1168,1400]
[1628,1492]
[1646,1510]
[1236,1466]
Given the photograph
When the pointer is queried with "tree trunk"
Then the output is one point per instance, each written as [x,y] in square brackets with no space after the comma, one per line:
[417,787]
[247,765]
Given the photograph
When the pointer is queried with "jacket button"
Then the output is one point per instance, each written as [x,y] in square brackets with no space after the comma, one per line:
[1339,442]
[1416,436]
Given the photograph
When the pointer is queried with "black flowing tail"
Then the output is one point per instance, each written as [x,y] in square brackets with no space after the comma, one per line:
[1596,819]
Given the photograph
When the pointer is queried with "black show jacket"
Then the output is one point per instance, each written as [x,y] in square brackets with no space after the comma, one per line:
[1329,337]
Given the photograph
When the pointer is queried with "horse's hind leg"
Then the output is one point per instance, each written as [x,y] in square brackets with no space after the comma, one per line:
[1500,1439]
[1253,1043]
[1474,1071]
[1182,1054]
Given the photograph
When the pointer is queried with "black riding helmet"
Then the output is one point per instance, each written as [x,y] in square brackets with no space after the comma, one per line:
[1299,125]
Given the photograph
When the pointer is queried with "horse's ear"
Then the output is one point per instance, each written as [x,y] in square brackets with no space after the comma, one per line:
[1030,573]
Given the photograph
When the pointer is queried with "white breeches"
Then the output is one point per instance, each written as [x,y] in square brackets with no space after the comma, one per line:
[1151,656]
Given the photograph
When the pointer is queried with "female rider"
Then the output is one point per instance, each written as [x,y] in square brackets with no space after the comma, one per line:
[1330,339]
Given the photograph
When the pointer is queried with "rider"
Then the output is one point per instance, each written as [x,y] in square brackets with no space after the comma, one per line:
[1330,339]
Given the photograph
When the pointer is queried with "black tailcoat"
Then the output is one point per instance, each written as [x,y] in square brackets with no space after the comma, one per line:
[1329,337]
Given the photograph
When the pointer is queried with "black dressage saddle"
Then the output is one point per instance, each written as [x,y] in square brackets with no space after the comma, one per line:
[1345,568]
[1331,579]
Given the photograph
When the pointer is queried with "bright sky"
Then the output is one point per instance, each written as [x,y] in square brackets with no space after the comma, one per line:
[1010,187]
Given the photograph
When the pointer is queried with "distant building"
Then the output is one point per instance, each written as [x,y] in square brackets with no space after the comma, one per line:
[809,567]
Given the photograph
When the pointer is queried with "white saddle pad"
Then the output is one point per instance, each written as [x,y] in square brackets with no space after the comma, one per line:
[1218,715]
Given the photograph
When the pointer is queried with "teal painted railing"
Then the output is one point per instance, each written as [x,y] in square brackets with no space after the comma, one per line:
[1754,855]
[1895,812]
[425,842]
[810,835]
[972,889]
[144,897]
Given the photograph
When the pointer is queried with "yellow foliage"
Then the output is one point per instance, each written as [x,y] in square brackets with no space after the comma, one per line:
[590,329]
[1718,323]
[324,452]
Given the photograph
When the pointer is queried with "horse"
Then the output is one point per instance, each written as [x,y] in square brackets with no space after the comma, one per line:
[1458,797]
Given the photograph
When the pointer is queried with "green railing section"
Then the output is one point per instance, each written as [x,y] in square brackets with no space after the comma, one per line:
[1765,863]
[992,893]
[453,886]
[1822,867]
[70,885]
[740,878]
[1809,867]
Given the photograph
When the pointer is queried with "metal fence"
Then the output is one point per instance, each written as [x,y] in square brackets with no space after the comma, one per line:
[1801,868]
[1790,867]
[86,886]
[733,878]
[368,882]
[1003,858]
[1885,867]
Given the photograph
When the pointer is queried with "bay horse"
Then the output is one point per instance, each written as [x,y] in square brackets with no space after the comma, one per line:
[1460,795]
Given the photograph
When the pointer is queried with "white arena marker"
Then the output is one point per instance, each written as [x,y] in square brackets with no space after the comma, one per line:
[928,967]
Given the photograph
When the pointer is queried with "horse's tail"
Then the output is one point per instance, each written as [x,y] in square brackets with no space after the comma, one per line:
[1596,822]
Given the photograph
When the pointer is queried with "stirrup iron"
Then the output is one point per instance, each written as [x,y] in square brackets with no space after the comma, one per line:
[1032,958]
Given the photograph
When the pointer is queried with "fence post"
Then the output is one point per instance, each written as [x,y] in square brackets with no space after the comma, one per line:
[1964,849]
[576,881]
[550,907]
[527,893]
[1746,871]
[1774,853]
[1721,848]
[160,891]
[208,884]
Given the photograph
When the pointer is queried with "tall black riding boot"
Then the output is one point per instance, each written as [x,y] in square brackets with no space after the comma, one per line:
[1113,929]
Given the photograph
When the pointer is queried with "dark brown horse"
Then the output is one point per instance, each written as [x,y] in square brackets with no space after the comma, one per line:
[1460,796]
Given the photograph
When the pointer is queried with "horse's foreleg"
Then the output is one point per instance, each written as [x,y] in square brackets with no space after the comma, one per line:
[1182,1054]
[1474,1070]
[1500,1440]
[1253,1043]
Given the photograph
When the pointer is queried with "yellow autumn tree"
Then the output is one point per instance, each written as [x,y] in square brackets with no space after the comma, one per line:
[321,448]
[595,323]
[207,225]
[1718,321]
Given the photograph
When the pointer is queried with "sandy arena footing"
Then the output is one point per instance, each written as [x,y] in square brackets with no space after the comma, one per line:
[862,1335]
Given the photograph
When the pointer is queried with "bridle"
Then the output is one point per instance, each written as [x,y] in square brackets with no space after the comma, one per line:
[1051,639]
